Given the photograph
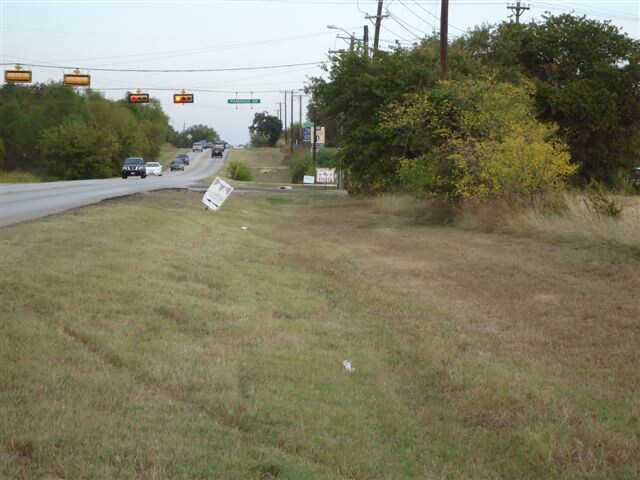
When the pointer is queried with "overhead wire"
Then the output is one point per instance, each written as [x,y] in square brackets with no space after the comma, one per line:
[177,70]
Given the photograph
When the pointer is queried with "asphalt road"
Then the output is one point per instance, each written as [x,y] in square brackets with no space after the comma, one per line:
[27,201]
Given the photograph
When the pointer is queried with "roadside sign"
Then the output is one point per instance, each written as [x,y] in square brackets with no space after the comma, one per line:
[189,136]
[309,179]
[325,175]
[242,100]
[216,194]
[307,125]
[306,134]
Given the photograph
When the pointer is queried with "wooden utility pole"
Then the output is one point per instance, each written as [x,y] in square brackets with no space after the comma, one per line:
[517,9]
[365,40]
[300,118]
[313,132]
[285,117]
[444,39]
[376,37]
[291,130]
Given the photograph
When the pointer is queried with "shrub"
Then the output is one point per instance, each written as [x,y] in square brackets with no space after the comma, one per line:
[602,204]
[239,171]
[300,164]
[478,139]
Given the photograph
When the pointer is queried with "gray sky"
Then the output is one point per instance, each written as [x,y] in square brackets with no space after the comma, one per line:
[209,34]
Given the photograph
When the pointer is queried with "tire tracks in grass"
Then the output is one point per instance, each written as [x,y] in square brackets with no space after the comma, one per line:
[232,424]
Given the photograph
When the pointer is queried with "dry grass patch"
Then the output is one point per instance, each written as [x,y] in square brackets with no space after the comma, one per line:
[477,355]
[267,164]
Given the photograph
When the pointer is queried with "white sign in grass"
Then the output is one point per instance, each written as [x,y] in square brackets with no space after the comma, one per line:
[309,179]
[216,194]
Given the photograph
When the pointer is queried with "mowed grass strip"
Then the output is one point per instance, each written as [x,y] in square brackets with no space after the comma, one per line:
[267,165]
[145,337]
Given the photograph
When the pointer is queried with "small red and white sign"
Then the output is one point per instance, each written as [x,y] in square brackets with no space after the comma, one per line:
[325,175]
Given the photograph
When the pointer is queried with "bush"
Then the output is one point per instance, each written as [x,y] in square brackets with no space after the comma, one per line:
[479,140]
[300,164]
[239,171]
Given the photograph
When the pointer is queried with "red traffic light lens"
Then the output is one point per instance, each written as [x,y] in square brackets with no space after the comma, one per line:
[138,98]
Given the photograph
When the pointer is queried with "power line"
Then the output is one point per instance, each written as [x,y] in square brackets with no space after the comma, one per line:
[404,25]
[193,70]
[417,16]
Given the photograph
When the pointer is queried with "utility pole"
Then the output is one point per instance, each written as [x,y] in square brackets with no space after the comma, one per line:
[444,39]
[315,136]
[300,118]
[292,121]
[517,9]
[285,117]
[376,37]
[365,40]
[279,104]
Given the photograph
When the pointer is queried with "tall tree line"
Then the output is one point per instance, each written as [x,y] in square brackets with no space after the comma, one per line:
[566,92]
[55,131]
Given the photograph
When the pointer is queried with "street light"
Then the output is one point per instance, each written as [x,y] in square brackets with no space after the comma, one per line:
[351,36]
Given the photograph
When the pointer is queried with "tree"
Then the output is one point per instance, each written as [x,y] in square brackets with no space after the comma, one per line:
[477,138]
[586,74]
[197,132]
[266,126]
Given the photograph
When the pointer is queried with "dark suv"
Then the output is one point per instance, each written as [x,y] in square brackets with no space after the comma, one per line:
[134,166]
[217,150]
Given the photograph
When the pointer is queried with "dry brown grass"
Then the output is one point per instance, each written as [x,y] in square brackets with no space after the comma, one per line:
[580,224]
[477,354]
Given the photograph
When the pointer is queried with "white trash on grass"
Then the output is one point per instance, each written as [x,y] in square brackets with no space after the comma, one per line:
[347,366]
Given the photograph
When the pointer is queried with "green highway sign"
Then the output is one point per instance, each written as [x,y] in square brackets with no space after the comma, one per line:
[243,100]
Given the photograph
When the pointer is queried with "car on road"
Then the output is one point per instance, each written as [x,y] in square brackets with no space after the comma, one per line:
[134,166]
[208,145]
[177,164]
[184,157]
[153,168]
[217,150]
[198,147]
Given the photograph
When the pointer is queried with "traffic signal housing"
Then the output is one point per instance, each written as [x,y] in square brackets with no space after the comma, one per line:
[138,98]
[17,76]
[183,98]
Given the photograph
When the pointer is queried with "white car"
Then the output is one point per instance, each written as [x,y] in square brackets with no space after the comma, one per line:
[153,168]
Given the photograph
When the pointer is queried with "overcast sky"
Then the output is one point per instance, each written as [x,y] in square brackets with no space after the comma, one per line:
[226,34]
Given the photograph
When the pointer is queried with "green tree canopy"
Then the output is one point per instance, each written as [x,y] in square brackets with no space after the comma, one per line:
[266,126]
[198,132]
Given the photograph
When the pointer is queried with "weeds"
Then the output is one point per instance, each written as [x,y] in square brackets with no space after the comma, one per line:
[239,171]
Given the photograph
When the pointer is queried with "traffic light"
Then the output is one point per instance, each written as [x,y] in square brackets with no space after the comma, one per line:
[138,98]
[77,80]
[17,76]
[183,98]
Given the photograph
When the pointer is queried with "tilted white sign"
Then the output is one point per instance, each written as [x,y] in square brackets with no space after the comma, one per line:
[216,194]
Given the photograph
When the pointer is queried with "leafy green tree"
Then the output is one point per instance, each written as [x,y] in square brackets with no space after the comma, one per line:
[587,74]
[478,138]
[101,132]
[357,91]
[266,126]
[198,132]
[76,150]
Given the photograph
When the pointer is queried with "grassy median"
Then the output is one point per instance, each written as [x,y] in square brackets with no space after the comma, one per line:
[148,338]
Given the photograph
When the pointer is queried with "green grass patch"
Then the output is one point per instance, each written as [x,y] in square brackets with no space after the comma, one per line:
[19,177]
[148,338]
[239,171]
